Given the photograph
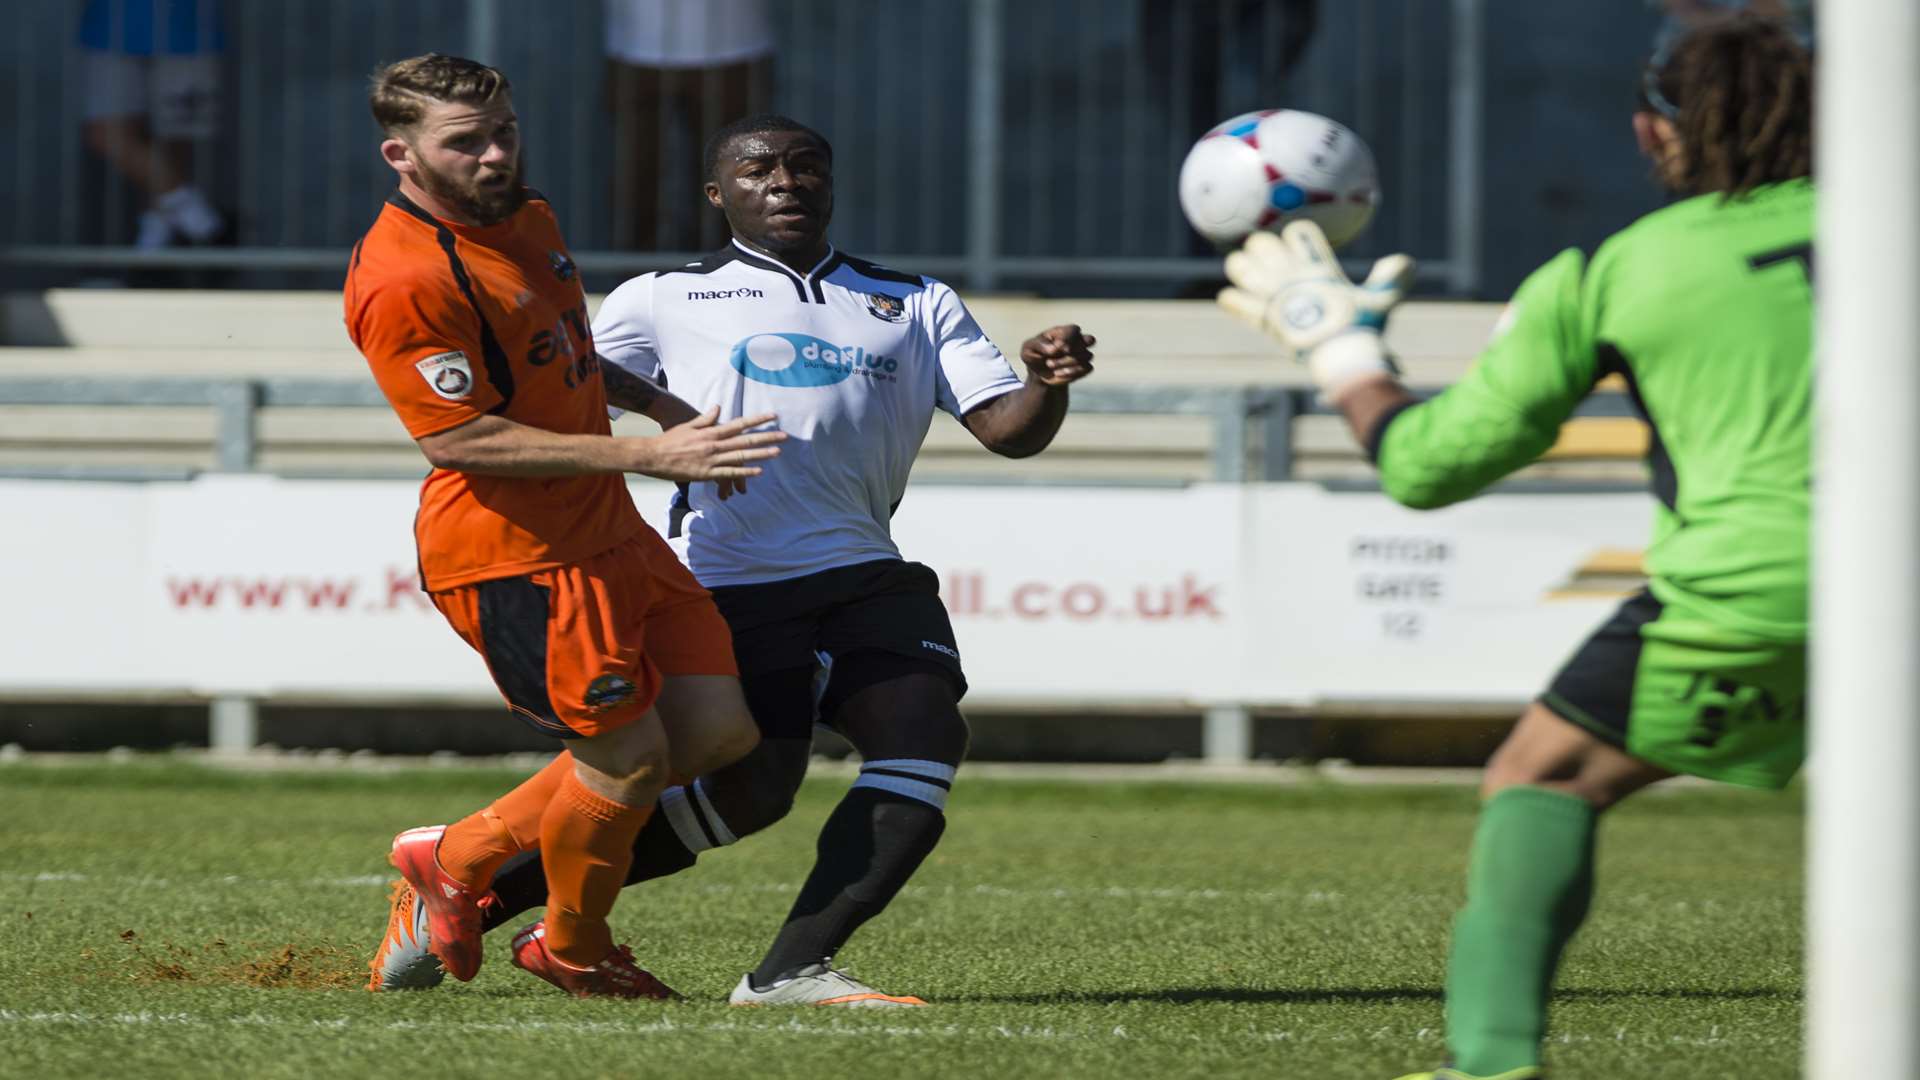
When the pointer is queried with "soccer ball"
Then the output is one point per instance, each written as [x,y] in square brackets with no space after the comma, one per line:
[1263,169]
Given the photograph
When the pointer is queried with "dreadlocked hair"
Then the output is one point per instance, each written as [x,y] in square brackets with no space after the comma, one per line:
[1740,91]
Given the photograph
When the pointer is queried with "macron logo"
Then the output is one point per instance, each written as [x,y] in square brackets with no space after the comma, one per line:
[742,293]
[452,891]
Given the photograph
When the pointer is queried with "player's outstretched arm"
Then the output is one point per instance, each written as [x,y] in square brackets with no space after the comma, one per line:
[631,392]
[1503,414]
[702,449]
[1023,423]
[636,393]
[1293,287]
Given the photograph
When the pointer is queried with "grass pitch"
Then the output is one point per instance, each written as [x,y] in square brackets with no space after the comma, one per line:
[171,919]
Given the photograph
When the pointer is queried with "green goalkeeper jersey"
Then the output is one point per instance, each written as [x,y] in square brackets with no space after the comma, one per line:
[1705,308]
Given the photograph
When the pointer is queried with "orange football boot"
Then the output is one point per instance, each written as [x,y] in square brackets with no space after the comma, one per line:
[616,975]
[452,910]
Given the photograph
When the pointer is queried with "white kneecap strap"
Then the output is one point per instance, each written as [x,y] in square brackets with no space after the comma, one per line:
[694,820]
[926,781]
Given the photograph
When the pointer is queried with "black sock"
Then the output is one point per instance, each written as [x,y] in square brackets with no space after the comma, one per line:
[870,846]
[518,886]
[521,885]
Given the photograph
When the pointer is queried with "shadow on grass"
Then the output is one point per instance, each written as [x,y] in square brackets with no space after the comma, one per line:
[1193,995]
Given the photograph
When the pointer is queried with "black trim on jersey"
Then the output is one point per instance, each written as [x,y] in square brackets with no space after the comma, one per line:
[799,285]
[882,273]
[705,265]
[354,264]
[811,286]
[404,203]
[678,508]
[1379,433]
[532,194]
[811,281]
[819,276]
[419,565]
[1666,483]
[945,785]
[499,372]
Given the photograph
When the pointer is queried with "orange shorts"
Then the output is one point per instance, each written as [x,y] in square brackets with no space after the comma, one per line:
[580,649]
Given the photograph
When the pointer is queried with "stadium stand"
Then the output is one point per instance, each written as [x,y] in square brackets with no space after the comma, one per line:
[99,337]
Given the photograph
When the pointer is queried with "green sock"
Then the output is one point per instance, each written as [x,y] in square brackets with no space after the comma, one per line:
[1529,882]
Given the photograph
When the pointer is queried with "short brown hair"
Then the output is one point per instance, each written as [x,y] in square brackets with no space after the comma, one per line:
[401,91]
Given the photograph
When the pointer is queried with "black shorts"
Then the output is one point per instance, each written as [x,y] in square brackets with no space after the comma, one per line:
[808,624]
[1688,695]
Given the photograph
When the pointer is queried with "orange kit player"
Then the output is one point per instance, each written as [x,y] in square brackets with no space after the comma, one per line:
[466,305]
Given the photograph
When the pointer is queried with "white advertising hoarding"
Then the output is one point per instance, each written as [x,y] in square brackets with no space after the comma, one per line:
[1357,598]
[1077,594]
[1256,594]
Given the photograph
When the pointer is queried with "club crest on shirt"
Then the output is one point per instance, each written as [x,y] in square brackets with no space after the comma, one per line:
[562,264]
[886,308]
[448,373]
[607,691]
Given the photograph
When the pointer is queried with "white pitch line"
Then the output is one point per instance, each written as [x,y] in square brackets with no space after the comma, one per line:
[662,1026]
[833,1029]
[836,1029]
[1003,892]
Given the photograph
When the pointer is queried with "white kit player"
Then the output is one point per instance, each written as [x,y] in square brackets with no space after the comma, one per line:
[829,622]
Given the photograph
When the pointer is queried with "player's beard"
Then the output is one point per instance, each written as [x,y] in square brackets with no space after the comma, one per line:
[482,205]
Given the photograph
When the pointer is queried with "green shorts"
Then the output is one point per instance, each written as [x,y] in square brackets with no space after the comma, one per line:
[1678,692]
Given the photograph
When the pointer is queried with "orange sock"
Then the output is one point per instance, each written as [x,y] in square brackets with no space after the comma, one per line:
[474,847]
[520,810]
[587,844]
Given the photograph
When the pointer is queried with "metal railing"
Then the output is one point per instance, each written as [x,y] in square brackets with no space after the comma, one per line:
[985,143]
[1252,426]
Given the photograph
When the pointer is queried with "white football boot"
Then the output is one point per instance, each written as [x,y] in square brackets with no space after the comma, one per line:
[818,984]
[405,961]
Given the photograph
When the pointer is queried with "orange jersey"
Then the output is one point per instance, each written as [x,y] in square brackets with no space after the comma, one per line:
[458,322]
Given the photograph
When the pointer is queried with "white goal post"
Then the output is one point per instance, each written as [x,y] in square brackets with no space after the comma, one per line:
[1863,869]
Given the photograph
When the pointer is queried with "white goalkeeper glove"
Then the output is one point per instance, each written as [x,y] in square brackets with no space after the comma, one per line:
[1292,287]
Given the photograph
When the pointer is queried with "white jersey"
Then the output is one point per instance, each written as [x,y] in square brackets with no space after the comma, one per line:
[854,358]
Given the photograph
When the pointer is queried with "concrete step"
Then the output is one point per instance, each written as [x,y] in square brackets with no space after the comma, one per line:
[1163,342]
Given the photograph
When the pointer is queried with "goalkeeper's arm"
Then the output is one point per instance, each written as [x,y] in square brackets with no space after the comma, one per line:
[1292,286]
[1502,415]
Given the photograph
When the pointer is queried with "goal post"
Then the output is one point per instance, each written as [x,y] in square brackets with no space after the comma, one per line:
[1863,868]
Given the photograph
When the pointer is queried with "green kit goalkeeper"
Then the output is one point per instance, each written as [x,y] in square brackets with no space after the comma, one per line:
[1704,309]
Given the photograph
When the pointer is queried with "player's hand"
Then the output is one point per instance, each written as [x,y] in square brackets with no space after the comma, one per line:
[705,449]
[1292,287]
[1058,355]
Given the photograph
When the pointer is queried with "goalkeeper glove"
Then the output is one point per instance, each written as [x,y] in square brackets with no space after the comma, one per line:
[1292,287]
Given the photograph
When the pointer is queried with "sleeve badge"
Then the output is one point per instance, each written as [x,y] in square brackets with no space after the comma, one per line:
[449,374]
